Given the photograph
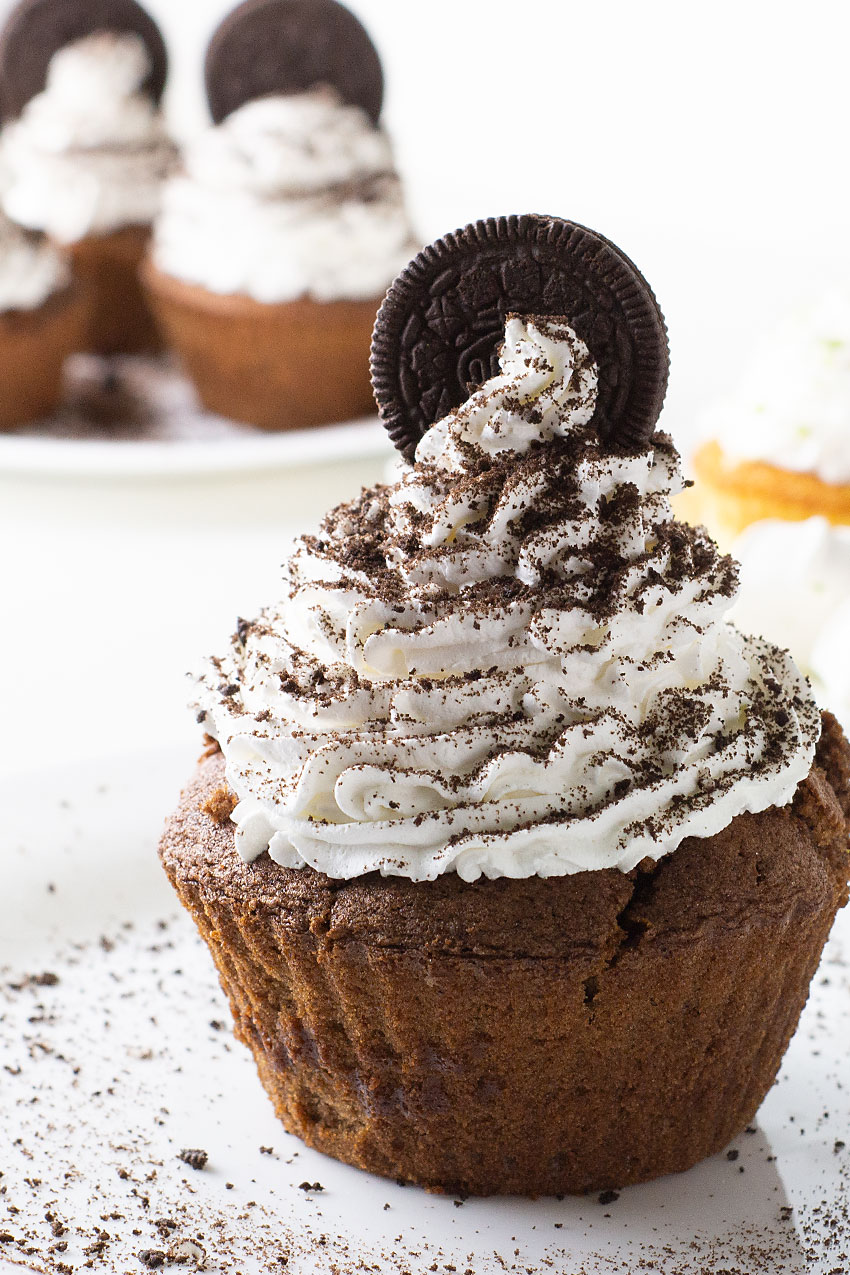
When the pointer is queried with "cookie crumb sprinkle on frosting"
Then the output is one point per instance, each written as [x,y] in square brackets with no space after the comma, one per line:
[512,661]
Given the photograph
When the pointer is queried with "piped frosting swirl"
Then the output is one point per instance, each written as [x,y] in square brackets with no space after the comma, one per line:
[89,153]
[512,661]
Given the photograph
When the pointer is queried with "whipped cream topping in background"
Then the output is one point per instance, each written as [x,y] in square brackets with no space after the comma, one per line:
[792,408]
[510,662]
[795,585]
[31,269]
[88,154]
[287,197]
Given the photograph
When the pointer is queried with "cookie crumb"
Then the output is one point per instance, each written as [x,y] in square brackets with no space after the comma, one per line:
[220,805]
[47,979]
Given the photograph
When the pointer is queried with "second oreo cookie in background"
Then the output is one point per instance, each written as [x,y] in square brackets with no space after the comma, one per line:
[277,242]
[90,72]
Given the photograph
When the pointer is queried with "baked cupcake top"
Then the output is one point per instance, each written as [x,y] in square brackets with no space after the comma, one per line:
[792,407]
[512,660]
[31,270]
[88,153]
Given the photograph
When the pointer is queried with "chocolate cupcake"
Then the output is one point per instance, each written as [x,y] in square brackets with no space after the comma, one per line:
[86,150]
[515,858]
[43,317]
[276,244]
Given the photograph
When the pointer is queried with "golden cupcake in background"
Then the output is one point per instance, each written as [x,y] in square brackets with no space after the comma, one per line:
[780,448]
[276,243]
[43,317]
[85,148]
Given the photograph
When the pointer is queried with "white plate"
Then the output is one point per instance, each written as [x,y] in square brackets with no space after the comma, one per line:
[120,1069]
[138,417]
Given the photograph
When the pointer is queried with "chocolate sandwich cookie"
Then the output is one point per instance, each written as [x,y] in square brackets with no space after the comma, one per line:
[36,29]
[439,331]
[268,47]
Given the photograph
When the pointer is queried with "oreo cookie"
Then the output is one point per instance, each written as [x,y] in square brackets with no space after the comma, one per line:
[36,29]
[289,46]
[438,332]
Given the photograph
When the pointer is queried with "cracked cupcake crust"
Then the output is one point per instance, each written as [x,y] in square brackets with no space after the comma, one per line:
[535,1035]
[778,861]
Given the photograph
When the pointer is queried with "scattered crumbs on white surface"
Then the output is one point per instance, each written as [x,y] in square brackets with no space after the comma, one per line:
[115,1060]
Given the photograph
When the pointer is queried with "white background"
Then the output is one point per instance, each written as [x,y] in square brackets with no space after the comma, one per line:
[709,141]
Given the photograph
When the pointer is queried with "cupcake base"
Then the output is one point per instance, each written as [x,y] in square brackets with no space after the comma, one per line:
[536,1036]
[282,366]
[34,345]
[121,321]
[730,495]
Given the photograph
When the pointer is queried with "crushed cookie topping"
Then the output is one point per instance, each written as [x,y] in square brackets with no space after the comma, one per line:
[511,661]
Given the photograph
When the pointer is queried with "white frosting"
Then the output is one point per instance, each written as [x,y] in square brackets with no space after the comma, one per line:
[31,270]
[288,196]
[795,584]
[510,662]
[89,153]
[793,406]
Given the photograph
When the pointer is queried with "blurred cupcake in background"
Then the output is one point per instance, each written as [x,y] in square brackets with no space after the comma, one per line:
[276,243]
[773,485]
[42,320]
[85,148]
[780,448]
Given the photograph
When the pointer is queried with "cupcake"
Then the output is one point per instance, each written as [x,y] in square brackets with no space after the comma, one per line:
[515,858]
[85,148]
[779,447]
[42,321]
[277,242]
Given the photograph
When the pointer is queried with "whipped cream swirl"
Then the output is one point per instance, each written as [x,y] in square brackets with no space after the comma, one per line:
[287,197]
[792,408]
[89,153]
[510,662]
[31,269]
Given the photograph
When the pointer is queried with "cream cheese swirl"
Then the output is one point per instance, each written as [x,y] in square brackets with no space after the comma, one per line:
[89,153]
[289,196]
[512,661]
